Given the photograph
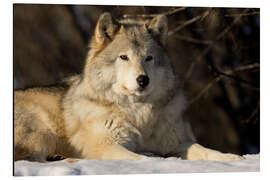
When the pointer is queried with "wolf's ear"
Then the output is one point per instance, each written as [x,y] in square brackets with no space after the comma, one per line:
[105,29]
[158,27]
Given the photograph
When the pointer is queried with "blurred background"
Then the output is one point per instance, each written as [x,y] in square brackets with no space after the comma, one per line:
[215,51]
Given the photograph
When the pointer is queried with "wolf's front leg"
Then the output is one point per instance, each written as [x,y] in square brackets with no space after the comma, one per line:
[194,151]
[116,151]
[96,143]
[109,151]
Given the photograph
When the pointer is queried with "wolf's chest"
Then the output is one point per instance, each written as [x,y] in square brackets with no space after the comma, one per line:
[142,115]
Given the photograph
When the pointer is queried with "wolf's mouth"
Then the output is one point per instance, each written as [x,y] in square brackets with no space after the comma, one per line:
[137,92]
[126,90]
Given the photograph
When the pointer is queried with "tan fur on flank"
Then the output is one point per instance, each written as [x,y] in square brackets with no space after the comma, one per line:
[104,113]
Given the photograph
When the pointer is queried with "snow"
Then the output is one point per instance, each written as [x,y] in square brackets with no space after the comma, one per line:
[152,165]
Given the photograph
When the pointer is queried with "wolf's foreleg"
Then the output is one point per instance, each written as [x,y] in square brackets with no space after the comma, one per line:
[95,142]
[115,151]
[104,150]
[194,151]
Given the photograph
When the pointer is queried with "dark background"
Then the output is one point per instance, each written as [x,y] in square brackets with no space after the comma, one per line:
[216,52]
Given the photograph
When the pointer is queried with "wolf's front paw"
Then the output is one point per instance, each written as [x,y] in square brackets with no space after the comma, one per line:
[224,157]
[232,157]
[198,152]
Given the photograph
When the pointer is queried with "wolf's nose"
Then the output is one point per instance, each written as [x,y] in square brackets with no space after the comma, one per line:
[142,80]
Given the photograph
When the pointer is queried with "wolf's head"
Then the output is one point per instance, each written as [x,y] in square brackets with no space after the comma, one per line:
[128,58]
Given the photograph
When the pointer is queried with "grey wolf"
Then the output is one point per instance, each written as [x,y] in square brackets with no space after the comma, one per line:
[127,101]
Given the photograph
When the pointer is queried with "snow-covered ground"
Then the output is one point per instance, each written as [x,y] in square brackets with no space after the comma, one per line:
[251,163]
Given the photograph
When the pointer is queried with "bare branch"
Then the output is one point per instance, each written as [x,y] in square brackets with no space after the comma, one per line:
[174,11]
[243,14]
[202,92]
[192,40]
[221,35]
[239,80]
[252,114]
[243,68]
[197,18]
[227,74]
[191,67]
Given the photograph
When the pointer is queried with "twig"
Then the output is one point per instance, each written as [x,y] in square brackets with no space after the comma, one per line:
[252,114]
[197,18]
[174,11]
[243,68]
[191,67]
[202,92]
[243,14]
[237,79]
[229,73]
[221,35]
[192,40]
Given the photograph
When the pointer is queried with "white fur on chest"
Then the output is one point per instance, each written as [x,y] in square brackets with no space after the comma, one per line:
[148,118]
[142,115]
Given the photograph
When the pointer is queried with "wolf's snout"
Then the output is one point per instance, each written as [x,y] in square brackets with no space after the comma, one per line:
[142,81]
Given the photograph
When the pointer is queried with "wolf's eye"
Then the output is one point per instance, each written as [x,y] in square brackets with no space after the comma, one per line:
[124,57]
[148,58]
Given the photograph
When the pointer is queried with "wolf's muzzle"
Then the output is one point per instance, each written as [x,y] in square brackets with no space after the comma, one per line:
[142,81]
